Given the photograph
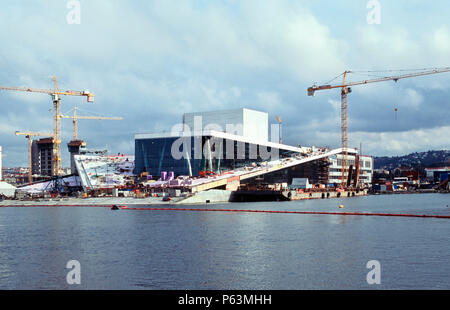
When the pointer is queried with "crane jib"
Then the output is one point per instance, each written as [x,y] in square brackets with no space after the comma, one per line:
[381,79]
[344,102]
[55,93]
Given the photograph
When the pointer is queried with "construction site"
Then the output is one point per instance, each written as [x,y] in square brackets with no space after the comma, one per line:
[238,164]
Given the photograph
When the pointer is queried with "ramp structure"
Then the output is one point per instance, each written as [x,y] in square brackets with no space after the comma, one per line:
[252,172]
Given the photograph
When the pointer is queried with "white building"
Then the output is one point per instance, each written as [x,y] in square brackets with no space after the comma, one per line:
[212,141]
[365,168]
[208,142]
[242,122]
[434,174]
[301,183]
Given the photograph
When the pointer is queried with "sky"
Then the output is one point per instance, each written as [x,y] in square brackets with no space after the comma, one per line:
[151,61]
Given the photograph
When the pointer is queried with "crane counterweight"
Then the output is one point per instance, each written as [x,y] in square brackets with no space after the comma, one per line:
[55,94]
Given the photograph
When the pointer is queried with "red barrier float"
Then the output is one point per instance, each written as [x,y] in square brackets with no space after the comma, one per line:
[43,206]
[242,211]
[293,212]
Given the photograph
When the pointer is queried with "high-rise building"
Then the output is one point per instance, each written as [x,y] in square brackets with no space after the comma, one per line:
[42,157]
[35,162]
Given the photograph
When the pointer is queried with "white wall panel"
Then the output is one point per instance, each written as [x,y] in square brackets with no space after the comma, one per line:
[243,122]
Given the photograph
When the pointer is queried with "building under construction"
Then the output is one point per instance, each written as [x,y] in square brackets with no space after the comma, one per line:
[324,171]
[154,156]
[42,157]
[74,149]
[316,172]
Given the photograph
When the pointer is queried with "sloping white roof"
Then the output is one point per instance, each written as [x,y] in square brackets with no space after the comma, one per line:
[7,189]
[222,135]
[104,171]
[4,185]
[48,185]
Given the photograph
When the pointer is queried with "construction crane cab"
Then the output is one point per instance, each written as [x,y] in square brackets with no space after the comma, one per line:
[55,94]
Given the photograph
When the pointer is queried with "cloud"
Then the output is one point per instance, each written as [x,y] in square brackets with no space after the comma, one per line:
[150,61]
[395,143]
[386,143]
[441,39]
[413,98]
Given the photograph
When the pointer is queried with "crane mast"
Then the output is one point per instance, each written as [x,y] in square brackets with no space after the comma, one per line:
[55,94]
[344,126]
[279,129]
[75,117]
[346,89]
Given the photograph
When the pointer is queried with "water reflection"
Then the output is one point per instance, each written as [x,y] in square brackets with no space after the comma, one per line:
[219,250]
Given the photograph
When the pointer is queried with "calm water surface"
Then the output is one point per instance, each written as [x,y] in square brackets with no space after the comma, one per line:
[220,250]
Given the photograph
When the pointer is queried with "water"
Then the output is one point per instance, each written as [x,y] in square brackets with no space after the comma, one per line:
[220,250]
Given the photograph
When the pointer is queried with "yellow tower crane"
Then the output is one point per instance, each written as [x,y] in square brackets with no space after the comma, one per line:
[29,136]
[75,117]
[345,90]
[279,128]
[55,93]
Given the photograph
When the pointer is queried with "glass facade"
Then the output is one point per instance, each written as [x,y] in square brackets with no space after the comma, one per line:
[154,156]
[191,155]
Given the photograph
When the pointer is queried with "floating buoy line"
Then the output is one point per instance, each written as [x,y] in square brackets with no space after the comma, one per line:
[290,212]
[117,207]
